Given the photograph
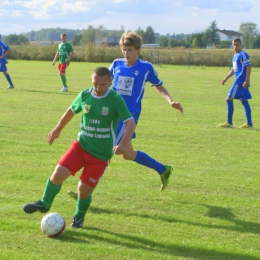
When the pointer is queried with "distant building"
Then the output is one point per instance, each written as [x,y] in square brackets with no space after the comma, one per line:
[110,41]
[150,45]
[228,35]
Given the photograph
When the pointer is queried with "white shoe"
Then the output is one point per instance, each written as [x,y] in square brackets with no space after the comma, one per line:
[64,89]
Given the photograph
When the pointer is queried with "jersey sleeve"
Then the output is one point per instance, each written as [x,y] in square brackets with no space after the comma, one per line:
[122,109]
[76,105]
[70,48]
[152,77]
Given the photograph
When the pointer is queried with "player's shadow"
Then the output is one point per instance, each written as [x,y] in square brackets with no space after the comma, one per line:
[136,242]
[213,212]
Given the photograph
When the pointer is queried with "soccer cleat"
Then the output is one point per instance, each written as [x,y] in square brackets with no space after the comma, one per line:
[33,207]
[11,87]
[64,89]
[165,176]
[73,195]
[77,222]
[246,126]
[226,124]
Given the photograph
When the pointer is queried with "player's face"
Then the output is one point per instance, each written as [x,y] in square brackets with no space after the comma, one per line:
[63,38]
[130,53]
[100,84]
[237,46]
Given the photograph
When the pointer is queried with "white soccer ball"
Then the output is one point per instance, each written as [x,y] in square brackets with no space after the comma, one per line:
[53,225]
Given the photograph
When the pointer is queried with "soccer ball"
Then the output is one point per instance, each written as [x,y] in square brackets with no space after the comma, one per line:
[53,225]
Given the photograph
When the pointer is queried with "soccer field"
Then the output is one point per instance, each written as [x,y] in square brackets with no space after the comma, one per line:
[209,211]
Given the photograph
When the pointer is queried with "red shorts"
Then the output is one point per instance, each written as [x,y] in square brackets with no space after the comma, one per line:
[62,67]
[76,158]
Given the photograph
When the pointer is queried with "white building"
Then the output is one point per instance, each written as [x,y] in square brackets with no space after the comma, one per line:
[228,35]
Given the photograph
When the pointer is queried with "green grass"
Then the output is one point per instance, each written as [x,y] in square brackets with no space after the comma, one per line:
[210,211]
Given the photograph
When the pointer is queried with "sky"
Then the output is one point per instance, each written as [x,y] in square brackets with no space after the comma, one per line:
[164,16]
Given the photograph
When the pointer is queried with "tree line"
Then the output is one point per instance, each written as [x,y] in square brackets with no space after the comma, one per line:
[208,37]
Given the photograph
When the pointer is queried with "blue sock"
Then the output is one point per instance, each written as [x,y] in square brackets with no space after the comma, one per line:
[230,111]
[146,160]
[9,79]
[247,110]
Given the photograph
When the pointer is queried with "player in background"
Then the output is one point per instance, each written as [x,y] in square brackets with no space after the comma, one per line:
[101,108]
[64,53]
[4,50]
[130,75]
[240,88]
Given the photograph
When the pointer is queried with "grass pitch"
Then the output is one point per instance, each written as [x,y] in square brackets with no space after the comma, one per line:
[209,211]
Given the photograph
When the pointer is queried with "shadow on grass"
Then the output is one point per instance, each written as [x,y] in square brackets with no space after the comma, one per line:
[214,212]
[145,244]
[48,92]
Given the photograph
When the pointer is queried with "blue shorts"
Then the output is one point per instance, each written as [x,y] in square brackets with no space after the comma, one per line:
[121,129]
[3,67]
[238,92]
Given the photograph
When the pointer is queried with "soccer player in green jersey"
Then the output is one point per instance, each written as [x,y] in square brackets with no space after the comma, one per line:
[65,53]
[101,109]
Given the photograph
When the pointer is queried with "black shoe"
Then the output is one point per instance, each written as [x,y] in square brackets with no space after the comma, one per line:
[77,222]
[33,207]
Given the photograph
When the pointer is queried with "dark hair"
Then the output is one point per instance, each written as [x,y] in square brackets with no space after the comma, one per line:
[237,40]
[102,71]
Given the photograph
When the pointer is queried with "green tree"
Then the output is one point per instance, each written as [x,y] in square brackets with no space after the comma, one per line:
[210,36]
[14,39]
[249,33]
[76,39]
[164,41]
[141,32]
[257,42]
[149,36]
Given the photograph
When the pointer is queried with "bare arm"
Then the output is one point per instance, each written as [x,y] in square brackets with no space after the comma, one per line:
[64,120]
[165,94]
[55,58]
[70,56]
[4,54]
[230,74]
[248,72]
[129,131]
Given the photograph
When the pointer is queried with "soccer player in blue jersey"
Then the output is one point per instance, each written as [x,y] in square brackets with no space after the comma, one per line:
[4,50]
[240,88]
[130,75]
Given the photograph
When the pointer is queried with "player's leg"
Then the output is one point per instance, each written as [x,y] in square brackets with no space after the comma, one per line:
[89,179]
[230,107]
[62,71]
[52,188]
[247,110]
[69,164]
[144,159]
[3,69]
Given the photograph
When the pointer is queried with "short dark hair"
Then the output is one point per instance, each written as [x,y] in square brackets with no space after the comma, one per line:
[237,40]
[102,71]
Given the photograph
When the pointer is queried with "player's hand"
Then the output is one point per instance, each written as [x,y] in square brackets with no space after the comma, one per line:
[223,81]
[54,134]
[177,106]
[119,149]
[53,63]
[245,84]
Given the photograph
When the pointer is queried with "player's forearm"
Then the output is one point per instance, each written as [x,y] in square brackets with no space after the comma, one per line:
[248,73]
[129,131]
[165,94]
[64,120]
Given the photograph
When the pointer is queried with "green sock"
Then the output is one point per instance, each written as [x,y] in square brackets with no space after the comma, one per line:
[50,191]
[64,81]
[82,207]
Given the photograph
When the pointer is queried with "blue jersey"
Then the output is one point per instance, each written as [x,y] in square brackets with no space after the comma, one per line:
[3,48]
[240,62]
[129,82]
